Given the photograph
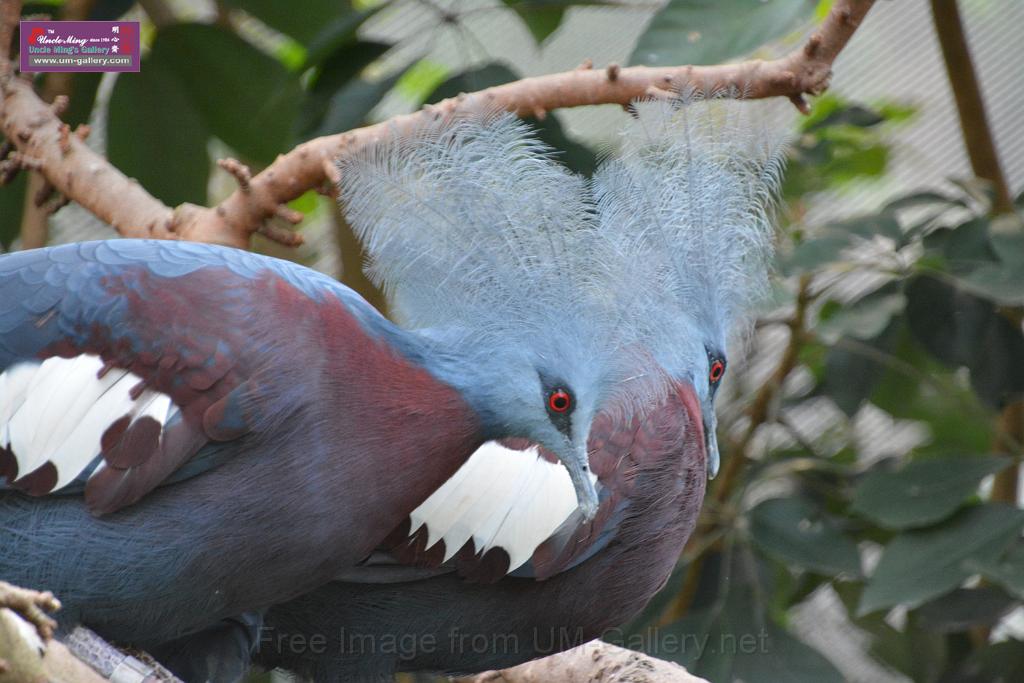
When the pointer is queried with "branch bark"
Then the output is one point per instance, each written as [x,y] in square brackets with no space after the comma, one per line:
[595,661]
[981,150]
[963,81]
[120,201]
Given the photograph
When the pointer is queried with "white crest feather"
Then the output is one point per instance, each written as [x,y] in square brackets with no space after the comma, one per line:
[471,225]
[693,190]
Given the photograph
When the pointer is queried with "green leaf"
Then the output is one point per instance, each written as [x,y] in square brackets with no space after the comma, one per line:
[1002,285]
[82,98]
[110,10]
[349,107]
[865,318]
[923,492]
[997,662]
[338,91]
[1006,233]
[796,532]
[852,369]
[854,115]
[815,252]
[960,329]
[918,199]
[1007,571]
[867,226]
[301,24]
[420,80]
[12,201]
[156,135]
[574,155]
[320,25]
[335,33]
[247,99]
[919,565]
[781,657]
[733,639]
[542,17]
[711,31]
[963,609]
[965,246]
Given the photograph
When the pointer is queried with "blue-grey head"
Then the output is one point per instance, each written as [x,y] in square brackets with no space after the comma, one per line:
[690,196]
[489,249]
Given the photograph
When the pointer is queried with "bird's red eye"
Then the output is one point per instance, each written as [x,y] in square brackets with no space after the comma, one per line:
[559,401]
[717,370]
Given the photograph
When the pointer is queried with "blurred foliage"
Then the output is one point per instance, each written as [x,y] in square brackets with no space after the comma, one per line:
[913,315]
[711,32]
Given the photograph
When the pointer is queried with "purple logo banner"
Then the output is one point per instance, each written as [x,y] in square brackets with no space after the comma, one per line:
[80,46]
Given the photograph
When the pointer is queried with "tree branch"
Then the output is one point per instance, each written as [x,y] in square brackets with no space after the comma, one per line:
[595,661]
[963,82]
[981,150]
[94,183]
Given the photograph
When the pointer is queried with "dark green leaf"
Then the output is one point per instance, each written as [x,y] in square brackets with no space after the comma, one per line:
[542,17]
[337,87]
[778,656]
[994,663]
[301,24]
[966,245]
[575,156]
[12,201]
[1007,236]
[1003,285]
[919,565]
[109,10]
[483,77]
[919,199]
[964,608]
[710,31]
[865,318]
[156,135]
[81,98]
[796,532]
[247,99]
[1007,571]
[923,492]
[349,106]
[853,370]
[815,252]
[884,224]
[854,115]
[336,33]
[961,329]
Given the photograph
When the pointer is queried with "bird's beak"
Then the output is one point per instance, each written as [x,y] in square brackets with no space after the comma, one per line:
[711,442]
[577,463]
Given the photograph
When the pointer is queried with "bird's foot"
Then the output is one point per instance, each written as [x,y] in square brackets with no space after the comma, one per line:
[32,606]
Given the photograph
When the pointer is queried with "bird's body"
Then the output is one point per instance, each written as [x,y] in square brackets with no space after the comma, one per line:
[328,405]
[687,202]
[351,631]
[271,439]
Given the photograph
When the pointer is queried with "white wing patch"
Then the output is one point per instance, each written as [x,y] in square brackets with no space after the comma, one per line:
[57,411]
[501,498]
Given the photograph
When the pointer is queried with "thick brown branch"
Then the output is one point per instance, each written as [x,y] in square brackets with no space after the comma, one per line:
[91,181]
[963,81]
[80,173]
[595,661]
